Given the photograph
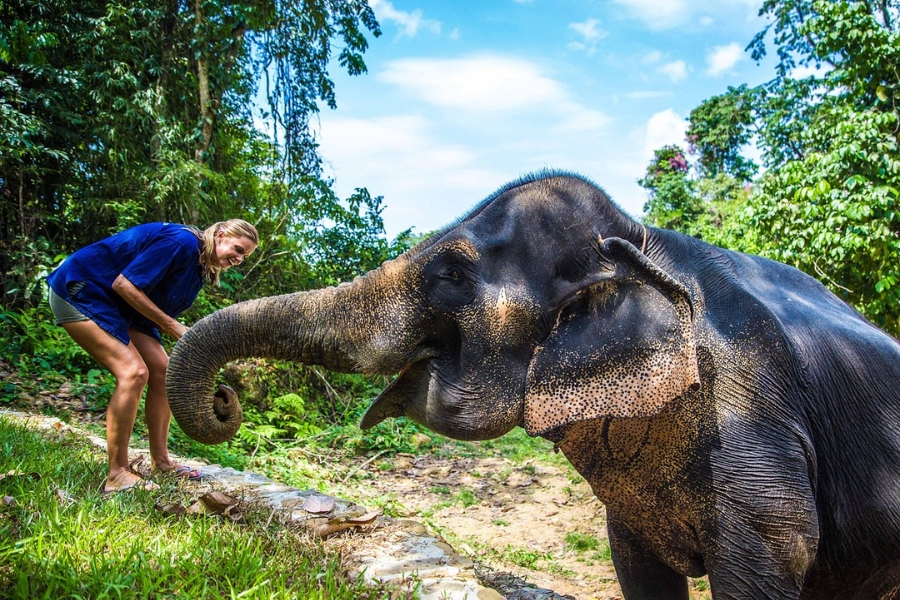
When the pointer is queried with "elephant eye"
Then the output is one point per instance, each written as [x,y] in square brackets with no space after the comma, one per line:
[453,274]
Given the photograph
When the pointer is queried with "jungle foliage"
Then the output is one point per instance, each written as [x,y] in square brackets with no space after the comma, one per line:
[827,130]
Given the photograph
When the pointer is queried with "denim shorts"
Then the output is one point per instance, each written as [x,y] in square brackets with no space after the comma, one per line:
[63,311]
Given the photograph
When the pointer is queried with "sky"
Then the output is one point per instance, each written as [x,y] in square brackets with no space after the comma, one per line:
[462,97]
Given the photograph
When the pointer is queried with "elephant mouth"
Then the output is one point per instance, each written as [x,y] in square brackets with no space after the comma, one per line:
[427,392]
[408,391]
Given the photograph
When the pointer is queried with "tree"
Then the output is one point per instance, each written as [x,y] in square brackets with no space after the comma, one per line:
[672,203]
[719,129]
[831,207]
[827,202]
[703,207]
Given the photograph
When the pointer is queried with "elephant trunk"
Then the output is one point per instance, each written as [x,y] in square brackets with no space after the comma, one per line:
[300,327]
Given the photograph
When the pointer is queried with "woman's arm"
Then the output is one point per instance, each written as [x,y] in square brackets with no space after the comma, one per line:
[141,303]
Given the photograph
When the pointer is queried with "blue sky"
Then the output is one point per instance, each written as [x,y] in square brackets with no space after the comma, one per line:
[462,97]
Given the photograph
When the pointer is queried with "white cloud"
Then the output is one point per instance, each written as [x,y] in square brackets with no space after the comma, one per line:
[652,57]
[676,70]
[401,159]
[669,14]
[478,84]
[580,119]
[648,95]
[658,14]
[590,33]
[493,86]
[409,22]
[722,58]
[663,128]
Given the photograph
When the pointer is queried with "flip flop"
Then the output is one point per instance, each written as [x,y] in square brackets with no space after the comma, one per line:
[139,485]
[185,472]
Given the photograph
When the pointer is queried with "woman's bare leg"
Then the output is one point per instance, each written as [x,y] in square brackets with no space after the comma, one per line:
[131,373]
[156,404]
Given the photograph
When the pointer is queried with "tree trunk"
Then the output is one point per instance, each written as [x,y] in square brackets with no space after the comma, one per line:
[211,90]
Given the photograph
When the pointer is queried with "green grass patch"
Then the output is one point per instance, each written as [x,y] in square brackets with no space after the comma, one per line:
[524,557]
[466,497]
[517,446]
[61,539]
[581,542]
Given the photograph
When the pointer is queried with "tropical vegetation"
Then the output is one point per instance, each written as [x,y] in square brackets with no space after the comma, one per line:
[827,129]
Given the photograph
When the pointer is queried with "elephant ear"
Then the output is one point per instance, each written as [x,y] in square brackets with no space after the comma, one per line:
[623,344]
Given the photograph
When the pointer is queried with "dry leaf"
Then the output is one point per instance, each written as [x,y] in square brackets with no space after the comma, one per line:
[33,475]
[196,508]
[333,526]
[366,518]
[172,509]
[217,502]
[64,498]
[318,504]
[8,501]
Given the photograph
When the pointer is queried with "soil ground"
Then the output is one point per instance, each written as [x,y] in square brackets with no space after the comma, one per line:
[534,521]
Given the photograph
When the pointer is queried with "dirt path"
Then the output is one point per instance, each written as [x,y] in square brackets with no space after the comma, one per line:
[513,519]
[536,521]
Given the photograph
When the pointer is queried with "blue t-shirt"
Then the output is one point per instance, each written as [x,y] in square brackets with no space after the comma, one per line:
[160,259]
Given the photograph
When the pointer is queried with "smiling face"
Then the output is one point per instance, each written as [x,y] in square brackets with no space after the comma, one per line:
[231,250]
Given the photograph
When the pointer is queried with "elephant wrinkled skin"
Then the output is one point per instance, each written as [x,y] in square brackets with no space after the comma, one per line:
[735,417]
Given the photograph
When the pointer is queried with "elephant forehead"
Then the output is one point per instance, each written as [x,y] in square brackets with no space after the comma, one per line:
[461,246]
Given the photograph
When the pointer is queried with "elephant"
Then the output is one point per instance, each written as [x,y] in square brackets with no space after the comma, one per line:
[736,418]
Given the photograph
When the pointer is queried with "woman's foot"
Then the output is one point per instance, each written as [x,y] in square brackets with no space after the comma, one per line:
[126,480]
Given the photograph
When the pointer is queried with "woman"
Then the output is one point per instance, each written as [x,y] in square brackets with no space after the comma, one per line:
[115,296]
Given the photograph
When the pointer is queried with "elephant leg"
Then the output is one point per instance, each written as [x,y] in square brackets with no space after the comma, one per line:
[764,532]
[641,574]
[762,572]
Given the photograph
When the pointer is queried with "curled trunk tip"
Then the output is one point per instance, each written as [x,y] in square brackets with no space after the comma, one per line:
[210,418]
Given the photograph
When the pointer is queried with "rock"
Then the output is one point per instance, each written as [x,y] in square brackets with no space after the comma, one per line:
[518,479]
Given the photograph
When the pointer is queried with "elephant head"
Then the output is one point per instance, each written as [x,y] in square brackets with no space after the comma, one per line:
[537,309]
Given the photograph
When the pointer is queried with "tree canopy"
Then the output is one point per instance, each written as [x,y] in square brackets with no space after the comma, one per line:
[827,130]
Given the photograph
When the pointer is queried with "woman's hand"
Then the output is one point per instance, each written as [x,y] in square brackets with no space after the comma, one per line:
[144,305]
[180,330]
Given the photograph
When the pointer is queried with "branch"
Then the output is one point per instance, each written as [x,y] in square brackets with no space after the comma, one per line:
[362,466]
[824,276]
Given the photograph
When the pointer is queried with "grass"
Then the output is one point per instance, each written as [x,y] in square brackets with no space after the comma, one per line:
[466,497]
[518,447]
[581,542]
[60,539]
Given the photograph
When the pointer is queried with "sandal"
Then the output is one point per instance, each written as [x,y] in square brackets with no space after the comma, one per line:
[183,472]
[139,485]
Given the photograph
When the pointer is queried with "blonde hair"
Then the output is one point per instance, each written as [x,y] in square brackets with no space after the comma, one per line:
[231,228]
